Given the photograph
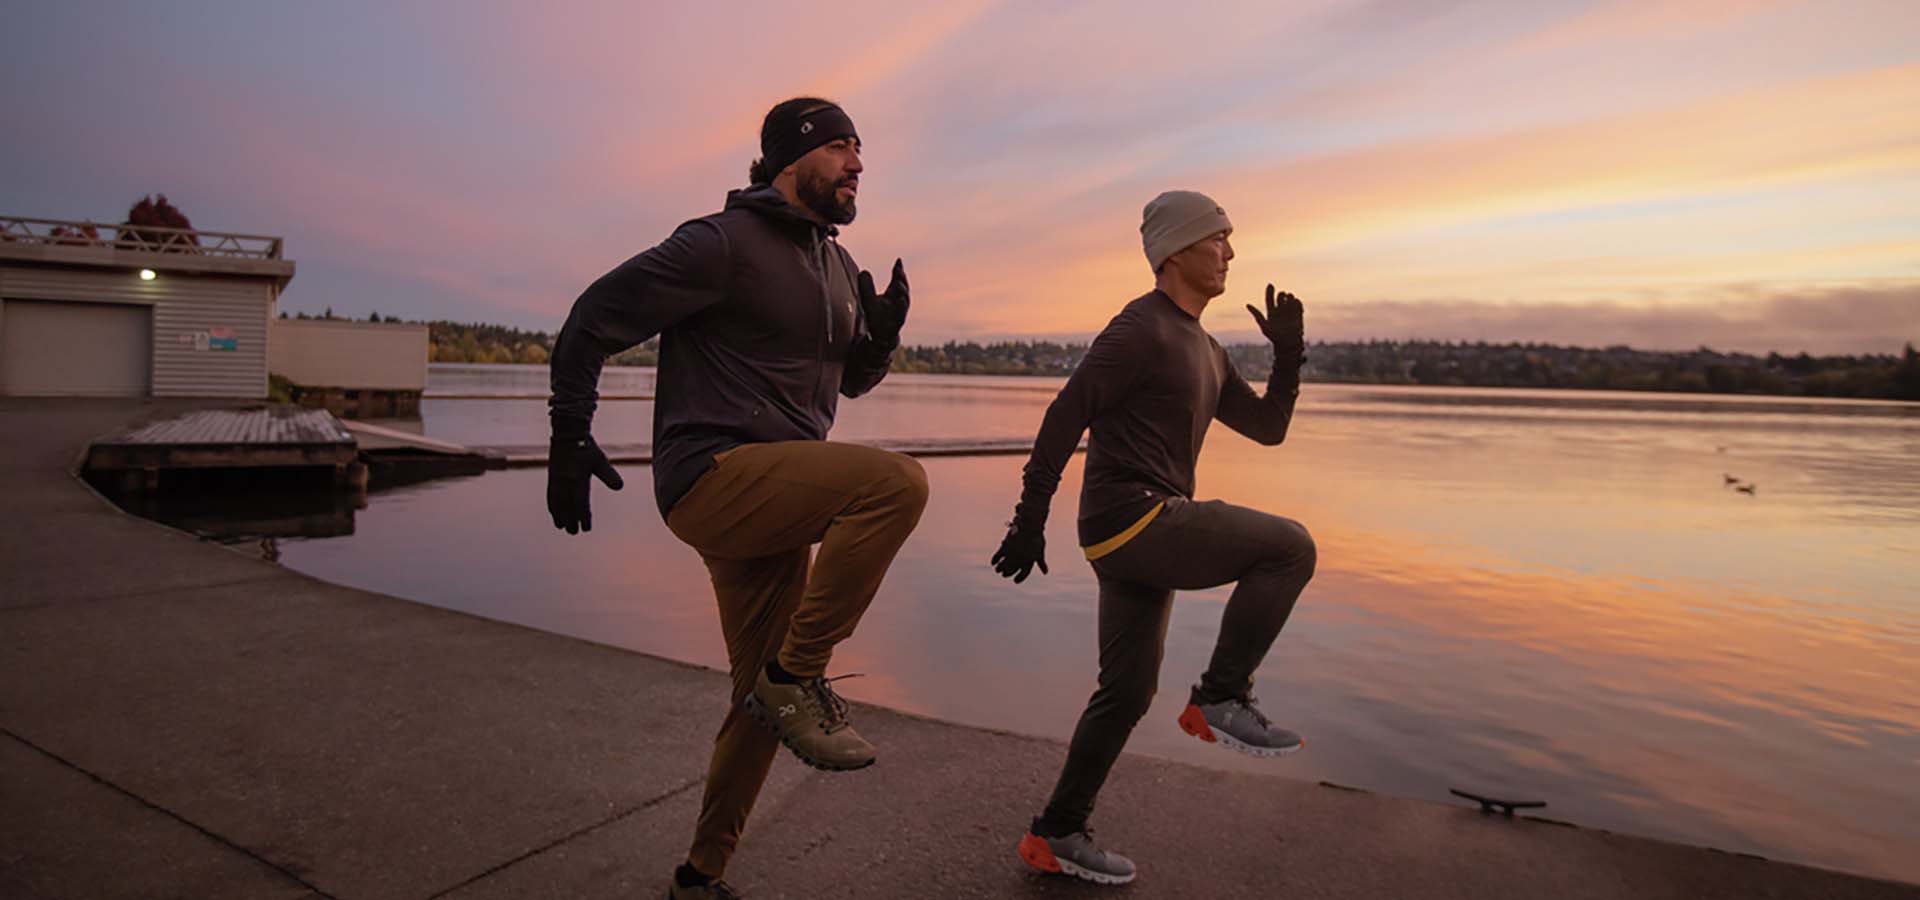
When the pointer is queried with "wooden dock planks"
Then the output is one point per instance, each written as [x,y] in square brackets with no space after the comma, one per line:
[229,438]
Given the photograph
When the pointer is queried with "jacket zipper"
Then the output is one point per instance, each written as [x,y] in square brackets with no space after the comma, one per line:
[826,334]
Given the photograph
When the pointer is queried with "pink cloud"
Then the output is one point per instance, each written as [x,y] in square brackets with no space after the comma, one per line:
[1860,319]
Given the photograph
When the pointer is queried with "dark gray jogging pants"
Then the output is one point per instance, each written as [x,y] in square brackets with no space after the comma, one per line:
[1190,545]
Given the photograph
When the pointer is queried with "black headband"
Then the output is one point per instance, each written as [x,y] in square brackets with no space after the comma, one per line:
[821,126]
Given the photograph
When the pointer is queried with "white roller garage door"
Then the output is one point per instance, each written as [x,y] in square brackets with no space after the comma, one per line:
[75,349]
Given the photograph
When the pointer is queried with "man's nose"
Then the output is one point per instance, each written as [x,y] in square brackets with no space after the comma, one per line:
[853,164]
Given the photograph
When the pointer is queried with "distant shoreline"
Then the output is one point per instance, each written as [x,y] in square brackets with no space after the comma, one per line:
[1377,362]
[1407,363]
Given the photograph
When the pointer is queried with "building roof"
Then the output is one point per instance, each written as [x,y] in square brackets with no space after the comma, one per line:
[57,242]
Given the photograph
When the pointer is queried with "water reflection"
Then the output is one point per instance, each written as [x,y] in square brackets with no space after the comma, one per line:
[245,506]
[1572,607]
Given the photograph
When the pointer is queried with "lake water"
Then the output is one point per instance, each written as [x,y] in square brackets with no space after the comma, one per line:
[1542,594]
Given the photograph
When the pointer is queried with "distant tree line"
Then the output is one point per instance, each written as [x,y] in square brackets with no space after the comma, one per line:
[478,342]
[481,343]
[1441,363]
[1001,358]
[1704,370]
[1494,365]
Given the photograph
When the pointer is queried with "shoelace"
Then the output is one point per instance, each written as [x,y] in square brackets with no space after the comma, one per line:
[1246,703]
[1088,834]
[724,891]
[833,713]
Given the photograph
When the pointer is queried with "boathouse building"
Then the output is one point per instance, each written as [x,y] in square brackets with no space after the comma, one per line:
[135,311]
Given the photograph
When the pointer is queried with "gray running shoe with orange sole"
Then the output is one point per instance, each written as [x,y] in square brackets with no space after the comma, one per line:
[1075,855]
[1239,725]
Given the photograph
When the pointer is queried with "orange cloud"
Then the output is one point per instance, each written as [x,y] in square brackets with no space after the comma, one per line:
[1852,126]
[1843,125]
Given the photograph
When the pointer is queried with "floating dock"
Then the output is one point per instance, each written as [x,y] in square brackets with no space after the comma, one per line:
[253,438]
[396,456]
[276,437]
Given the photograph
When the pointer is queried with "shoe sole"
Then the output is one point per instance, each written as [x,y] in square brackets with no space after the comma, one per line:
[1035,853]
[758,711]
[1194,722]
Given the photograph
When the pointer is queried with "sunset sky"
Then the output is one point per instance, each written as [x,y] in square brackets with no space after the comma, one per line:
[1738,173]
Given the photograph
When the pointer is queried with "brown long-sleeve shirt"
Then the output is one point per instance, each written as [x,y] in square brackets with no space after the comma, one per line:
[1148,388]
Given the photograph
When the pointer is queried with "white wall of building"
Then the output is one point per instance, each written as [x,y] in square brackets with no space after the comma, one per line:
[209,332]
[355,355]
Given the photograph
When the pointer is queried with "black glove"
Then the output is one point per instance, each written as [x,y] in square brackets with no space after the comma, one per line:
[885,312]
[572,463]
[1285,326]
[1022,549]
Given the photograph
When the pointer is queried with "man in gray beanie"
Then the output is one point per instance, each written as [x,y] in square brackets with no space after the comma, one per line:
[1148,388]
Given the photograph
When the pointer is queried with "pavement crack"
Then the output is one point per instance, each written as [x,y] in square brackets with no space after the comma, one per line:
[579,832]
[209,833]
[819,841]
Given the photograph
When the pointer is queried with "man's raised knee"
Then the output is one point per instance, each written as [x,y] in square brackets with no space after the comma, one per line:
[1301,550]
[909,480]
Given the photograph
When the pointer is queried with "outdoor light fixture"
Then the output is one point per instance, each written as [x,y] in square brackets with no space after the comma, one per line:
[147,275]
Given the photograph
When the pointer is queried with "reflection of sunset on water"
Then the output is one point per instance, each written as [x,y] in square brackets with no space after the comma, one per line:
[1716,700]
[1547,594]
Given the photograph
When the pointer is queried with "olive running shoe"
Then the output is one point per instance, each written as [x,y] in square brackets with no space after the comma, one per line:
[811,720]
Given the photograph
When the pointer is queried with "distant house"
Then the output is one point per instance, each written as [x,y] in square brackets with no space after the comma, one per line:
[105,310]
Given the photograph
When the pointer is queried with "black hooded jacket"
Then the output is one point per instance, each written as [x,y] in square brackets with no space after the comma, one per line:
[758,313]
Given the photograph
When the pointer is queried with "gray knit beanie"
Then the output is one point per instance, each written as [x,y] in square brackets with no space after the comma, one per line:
[1176,220]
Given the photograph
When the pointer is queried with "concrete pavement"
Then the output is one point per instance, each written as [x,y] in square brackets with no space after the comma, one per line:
[181,720]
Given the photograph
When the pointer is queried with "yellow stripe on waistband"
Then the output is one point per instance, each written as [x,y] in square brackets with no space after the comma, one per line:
[1114,543]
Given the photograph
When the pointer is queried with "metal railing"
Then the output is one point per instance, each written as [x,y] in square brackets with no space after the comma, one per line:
[141,238]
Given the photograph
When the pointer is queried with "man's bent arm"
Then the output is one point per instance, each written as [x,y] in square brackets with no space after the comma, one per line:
[640,298]
[867,364]
[1264,419]
[1111,368]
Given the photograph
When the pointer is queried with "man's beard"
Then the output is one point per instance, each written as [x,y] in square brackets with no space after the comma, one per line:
[822,197]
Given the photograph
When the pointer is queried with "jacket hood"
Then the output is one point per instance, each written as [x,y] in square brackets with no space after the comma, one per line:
[767,201]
